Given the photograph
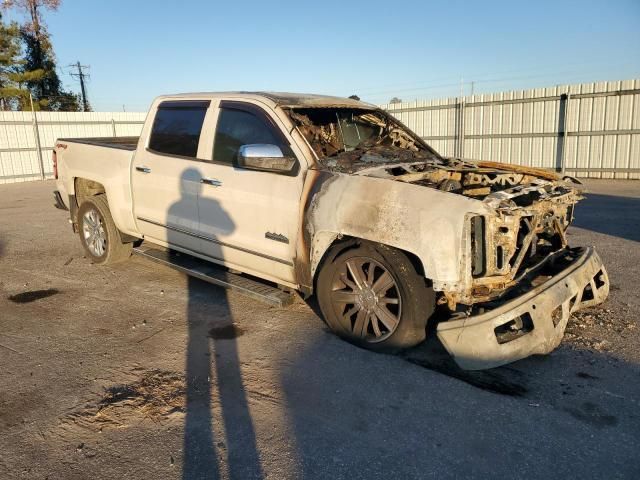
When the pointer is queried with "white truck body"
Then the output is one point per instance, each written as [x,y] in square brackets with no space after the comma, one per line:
[278,226]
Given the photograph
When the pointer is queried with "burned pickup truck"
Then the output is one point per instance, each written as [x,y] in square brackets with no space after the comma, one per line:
[334,197]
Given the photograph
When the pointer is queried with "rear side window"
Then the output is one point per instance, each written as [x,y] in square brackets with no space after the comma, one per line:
[177,126]
[238,127]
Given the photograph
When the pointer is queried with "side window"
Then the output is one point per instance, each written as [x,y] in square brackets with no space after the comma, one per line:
[176,128]
[236,128]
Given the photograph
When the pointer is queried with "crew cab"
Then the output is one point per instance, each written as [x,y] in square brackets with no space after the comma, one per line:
[335,197]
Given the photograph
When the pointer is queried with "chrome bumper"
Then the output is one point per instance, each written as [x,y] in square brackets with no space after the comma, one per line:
[532,323]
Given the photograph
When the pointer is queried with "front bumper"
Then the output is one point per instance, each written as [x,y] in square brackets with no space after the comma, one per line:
[532,323]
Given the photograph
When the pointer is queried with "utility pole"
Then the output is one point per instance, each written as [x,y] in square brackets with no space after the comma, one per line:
[81,76]
[36,136]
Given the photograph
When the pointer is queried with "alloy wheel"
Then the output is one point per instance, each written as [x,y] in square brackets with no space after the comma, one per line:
[94,233]
[366,298]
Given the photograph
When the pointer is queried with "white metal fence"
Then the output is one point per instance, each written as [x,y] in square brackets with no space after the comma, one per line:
[590,129]
[26,138]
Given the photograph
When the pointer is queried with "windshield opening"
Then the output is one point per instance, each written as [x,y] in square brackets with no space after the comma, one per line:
[348,139]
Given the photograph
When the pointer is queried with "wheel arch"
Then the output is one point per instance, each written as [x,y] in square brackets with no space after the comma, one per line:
[119,202]
[86,188]
[81,189]
[324,250]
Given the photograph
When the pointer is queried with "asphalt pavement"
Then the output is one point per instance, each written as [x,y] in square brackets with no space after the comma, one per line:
[136,371]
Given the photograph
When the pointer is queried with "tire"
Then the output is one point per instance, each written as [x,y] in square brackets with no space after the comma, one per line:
[360,307]
[95,222]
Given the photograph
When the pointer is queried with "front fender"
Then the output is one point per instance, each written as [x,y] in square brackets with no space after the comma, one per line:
[423,221]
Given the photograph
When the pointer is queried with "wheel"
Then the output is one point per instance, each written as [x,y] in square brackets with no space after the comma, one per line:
[372,295]
[99,235]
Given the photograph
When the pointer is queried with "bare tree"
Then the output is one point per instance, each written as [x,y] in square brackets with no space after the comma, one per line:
[33,8]
[395,100]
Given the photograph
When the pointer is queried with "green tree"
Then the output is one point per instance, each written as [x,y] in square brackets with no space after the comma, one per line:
[13,92]
[39,65]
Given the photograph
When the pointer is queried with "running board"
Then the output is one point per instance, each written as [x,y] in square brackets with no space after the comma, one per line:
[217,275]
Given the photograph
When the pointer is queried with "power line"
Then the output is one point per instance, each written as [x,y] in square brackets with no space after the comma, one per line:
[565,72]
[81,76]
[566,78]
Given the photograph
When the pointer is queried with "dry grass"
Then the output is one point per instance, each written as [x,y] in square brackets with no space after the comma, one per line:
[154,396]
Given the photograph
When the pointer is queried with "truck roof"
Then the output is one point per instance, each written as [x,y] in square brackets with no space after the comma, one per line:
[281,99]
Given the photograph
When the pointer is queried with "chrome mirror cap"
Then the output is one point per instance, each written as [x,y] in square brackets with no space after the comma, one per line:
[265,157]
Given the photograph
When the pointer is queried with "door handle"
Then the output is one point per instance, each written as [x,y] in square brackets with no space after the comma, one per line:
[143,169]
[211,181]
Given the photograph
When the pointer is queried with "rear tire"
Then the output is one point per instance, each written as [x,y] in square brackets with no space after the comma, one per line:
[99,235]
[372,296]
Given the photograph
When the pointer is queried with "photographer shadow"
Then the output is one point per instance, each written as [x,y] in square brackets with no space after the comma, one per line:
[213,366]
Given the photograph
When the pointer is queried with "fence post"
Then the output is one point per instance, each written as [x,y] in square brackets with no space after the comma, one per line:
[456,133]
[459,147]
[563,159]
[36,134]
[461,134]
[113,127]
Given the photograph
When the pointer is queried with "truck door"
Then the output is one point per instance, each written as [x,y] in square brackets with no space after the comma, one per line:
[249,218]
[166,175]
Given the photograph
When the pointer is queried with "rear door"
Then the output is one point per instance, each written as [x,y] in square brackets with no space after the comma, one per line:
[166,175]
[249,218]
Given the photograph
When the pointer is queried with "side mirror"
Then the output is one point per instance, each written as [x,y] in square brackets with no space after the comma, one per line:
[265,157]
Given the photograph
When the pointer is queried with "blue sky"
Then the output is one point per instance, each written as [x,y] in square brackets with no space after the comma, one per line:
[376,49]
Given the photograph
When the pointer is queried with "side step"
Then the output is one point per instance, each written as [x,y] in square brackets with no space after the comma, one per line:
[212,273]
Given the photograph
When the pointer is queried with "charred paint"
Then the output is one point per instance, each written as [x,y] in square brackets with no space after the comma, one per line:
[314,181]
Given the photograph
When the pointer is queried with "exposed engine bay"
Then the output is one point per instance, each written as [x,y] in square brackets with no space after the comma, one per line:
[348,140]
[532,214]
[533,207]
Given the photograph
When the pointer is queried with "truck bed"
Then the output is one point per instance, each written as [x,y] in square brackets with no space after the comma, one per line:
[123,143]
